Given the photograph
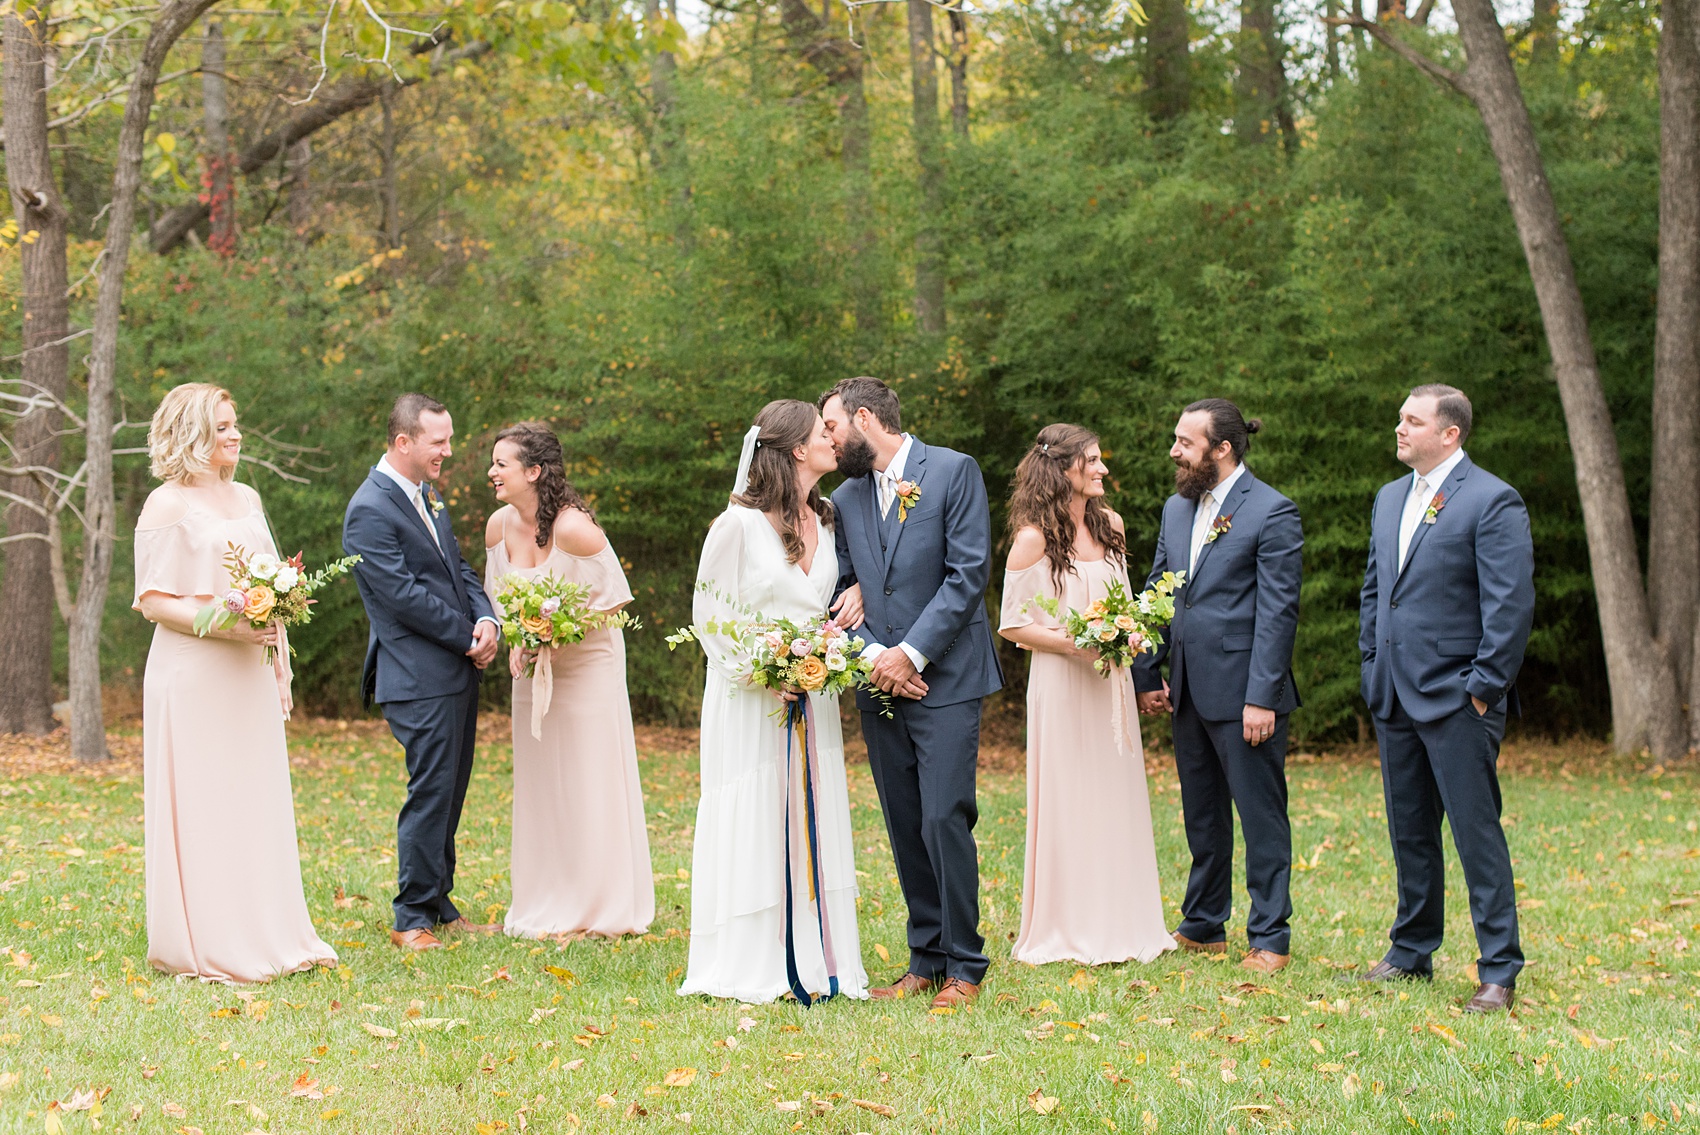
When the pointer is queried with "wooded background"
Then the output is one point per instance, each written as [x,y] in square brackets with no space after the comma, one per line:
[588,213]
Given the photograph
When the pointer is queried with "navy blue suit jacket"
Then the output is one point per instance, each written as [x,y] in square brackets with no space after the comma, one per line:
[924,578]
[421,602]
[1231,644]
[1455,622]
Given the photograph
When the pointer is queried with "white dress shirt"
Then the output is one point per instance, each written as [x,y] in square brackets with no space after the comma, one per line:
[1209,507]
[886,483]
[1423,488]
[415,491]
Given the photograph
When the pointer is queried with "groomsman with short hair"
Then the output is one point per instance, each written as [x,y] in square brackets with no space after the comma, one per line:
[1448,599]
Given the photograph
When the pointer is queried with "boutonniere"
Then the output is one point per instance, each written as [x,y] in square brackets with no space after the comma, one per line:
[435,501]
[1432,513]
[908,497]
[1218,526]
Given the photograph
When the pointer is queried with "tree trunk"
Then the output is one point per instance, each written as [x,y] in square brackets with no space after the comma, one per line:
[1168,60]
[388,186]
[220,185]
[88,729]
[345,98]
[924,96]
[814,38]
[1543,34]
[1331,48]
[1646,707]
[299,163]
[1260,87]
[26,590]
[958,72]
[1673,546]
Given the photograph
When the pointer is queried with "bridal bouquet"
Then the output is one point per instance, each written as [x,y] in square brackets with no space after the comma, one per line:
[549,611]
[266,590]
[814,655]
[1118,626]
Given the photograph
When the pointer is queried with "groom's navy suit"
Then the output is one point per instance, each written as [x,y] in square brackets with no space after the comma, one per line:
[1230,646]
[924,583]
[1450,623]
[422,601]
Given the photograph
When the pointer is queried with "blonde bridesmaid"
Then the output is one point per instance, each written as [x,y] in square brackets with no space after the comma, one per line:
[1091,892]
[224,899]
[580,859]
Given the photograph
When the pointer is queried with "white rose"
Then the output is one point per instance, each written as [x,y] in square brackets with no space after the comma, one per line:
[835,661]
[286,578]
[263,566]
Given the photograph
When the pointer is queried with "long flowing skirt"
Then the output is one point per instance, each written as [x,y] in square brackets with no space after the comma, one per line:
[738,862]
[223,868]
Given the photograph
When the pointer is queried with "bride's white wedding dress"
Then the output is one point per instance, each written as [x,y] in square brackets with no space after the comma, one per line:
[739,862]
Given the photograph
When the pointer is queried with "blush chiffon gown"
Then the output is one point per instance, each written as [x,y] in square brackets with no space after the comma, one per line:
[580,861]
[1090,892]
[738,863]
[224,898]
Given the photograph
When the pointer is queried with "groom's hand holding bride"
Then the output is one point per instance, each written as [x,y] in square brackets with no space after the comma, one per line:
[895,673]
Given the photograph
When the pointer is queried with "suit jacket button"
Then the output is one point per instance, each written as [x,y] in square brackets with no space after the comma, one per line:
[1393,606]
[888,628]
[1189,606]
[888,591]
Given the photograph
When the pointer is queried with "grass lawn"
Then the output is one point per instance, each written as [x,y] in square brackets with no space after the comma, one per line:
[503,1035]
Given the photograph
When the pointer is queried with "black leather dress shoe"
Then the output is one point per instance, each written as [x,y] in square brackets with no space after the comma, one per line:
[1385,970]
[1490,998]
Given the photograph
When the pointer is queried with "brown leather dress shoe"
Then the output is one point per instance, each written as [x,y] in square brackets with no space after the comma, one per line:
[419,939]
[1192,947]
[1385,970]
[462,926]
[956,992]
[1265,961]
[907,985]
[1490,998]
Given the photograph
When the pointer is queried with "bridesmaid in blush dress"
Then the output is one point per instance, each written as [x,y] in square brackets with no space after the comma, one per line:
[223,868]
[1091,892]
[580,861]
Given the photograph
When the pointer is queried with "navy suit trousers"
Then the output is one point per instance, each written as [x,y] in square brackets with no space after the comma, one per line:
[1449,767]
[1219,772]
[439,735]
[923,760]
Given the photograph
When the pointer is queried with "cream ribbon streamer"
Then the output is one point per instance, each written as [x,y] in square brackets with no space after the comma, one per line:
[285,676]
[542,689]
[1122,715]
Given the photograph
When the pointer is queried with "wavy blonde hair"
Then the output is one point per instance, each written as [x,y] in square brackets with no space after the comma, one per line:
[184,430]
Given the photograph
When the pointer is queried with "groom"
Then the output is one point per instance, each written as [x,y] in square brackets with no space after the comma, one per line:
[432,634]
[914,535]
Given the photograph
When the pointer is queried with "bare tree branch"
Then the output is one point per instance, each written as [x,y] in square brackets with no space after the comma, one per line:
[1383,34]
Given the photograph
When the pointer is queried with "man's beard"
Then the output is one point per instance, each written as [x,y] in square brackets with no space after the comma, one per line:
[856,459]
[1193,481]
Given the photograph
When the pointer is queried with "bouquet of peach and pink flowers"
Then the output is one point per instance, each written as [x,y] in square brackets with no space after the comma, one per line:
[266,590]
[1118,626]
[813,655]
[549,611]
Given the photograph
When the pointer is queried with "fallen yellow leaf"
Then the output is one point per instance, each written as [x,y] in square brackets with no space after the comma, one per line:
[877,1108]
[1042,1103]
[680,1077]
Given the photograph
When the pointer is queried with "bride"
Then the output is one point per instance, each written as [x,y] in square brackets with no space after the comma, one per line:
[770,554]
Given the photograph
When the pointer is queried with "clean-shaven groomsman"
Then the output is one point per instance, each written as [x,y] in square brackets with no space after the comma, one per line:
[433,633]
[1448,598]
[1230,688]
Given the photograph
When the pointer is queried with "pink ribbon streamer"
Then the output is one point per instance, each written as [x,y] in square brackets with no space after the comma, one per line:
[542,689]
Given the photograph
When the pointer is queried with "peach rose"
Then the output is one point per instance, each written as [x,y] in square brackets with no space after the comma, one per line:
[1125,622]
[538,625]
[810,673]
[261,600]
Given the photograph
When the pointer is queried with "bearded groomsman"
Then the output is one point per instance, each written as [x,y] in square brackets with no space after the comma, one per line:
[1230,686]
[1448,598]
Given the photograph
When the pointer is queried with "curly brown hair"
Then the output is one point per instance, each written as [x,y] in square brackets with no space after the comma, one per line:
[785,425]
[1042,496]
[538,446]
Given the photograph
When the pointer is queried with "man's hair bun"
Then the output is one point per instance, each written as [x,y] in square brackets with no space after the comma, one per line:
[1254,425]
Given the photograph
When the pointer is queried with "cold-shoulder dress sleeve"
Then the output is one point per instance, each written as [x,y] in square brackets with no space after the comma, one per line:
[719,595]
[602,573]
[179,559]
[1020,588]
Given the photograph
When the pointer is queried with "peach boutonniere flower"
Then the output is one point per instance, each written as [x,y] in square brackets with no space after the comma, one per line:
[908,497]
[1218,526]
[432,499]
[1432,513]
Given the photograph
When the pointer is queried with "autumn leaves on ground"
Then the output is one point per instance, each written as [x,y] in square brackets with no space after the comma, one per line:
[503,1035]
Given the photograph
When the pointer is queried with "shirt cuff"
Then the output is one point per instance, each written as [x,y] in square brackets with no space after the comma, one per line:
[484,619]
[871,651]
[915,656]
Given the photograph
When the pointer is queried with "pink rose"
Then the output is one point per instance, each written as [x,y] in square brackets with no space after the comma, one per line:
[235,601]
[904,488]
[800,648]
